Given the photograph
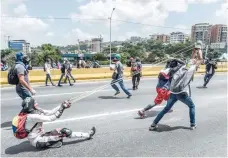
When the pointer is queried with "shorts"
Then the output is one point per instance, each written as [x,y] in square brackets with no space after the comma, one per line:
[162,94]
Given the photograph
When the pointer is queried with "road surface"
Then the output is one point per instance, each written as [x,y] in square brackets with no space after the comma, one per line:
[119,131]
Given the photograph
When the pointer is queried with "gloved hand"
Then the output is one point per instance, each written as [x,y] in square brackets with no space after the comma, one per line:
[58,113]
[66,104]
[33,92]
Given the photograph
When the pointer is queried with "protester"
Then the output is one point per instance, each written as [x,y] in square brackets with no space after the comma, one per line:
[136,72]
[162,87]
[68,73]
[63,70]
[180,80]
[33,128]
[210,71]
[23,87]
[47,68]
[118,76]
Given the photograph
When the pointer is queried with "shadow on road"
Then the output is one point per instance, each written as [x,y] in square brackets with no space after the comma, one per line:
[111,97]
[6,124]
[166,128]
[149,114]
[27,147]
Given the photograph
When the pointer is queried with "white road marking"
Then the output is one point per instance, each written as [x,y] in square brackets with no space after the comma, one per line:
[97,115]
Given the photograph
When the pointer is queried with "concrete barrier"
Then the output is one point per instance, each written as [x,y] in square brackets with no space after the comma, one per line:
[99,73]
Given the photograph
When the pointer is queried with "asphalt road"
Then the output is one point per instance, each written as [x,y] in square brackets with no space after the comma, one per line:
[119,131]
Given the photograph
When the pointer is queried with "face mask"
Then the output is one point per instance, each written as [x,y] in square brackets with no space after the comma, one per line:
[25,60]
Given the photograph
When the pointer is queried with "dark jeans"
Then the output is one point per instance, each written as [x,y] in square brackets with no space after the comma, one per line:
[135,80]
[23,92]
[48,76]
[70,75]
[183,97]
[114,86]
[207,78]
[61,78]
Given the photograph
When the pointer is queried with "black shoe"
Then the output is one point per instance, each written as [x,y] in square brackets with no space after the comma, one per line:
[71,84]
[129,96]
[60,85]
[117,93]
[153,127]
[92,132]
[193,126]
[133,88]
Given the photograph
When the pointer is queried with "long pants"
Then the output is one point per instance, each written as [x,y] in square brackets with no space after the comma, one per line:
[120,81]
[53,136]
[48,77]
[70,75]
[207,78]
[183,97]
[135,80]
[67,77]
[23,92]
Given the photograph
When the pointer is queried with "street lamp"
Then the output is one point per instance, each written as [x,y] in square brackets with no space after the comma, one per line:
[110,18]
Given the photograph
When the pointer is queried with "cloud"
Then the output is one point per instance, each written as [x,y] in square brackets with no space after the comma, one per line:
[20,10]
[50,34]
[27,28]
[222,11]
[75,34]
[51,19]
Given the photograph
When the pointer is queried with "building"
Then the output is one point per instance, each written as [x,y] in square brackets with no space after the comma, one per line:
[96,44]
[162,38]
[218,33]
[135,39]
[220,45]
[201,32]
[19,45]
[177,37]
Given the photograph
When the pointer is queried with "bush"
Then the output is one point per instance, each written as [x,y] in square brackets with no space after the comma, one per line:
[104,62]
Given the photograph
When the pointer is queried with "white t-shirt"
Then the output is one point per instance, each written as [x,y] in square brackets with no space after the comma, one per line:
[48,68]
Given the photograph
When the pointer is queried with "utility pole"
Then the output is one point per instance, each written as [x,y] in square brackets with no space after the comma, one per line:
[100,42]
[110,18]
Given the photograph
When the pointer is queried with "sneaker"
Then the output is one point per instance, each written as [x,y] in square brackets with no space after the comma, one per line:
[133,88]
[60,85]
[92,132]
[192,127]
[129,96]
[141,114]
[71,84]
[153,127]
[171,110]
[117,93]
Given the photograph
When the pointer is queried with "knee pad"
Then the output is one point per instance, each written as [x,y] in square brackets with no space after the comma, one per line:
[66,132]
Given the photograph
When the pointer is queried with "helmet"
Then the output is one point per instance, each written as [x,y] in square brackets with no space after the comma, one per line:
[19,56]
[118,57]
[28,105]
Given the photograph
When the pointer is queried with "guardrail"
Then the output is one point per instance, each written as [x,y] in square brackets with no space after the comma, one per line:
[98,73]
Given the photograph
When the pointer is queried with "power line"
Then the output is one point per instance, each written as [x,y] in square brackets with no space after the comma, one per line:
[101,19]
[55,18]
[150,24]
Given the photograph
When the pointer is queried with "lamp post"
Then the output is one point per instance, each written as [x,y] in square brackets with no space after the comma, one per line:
[110,18]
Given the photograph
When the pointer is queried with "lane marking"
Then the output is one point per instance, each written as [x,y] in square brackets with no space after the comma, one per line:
[98,115]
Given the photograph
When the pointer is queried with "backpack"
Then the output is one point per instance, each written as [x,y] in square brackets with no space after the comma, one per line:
[134,66]
[63,68]
[12,76]
[181,79]
[18,126]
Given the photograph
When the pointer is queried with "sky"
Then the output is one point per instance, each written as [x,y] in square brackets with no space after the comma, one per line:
[37,20]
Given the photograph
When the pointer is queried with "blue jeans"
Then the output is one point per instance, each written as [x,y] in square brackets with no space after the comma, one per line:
[183,97]
[120,81]
[207,78]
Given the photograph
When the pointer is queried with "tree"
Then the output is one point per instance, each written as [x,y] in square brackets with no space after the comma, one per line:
[100,57]
[106,50]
